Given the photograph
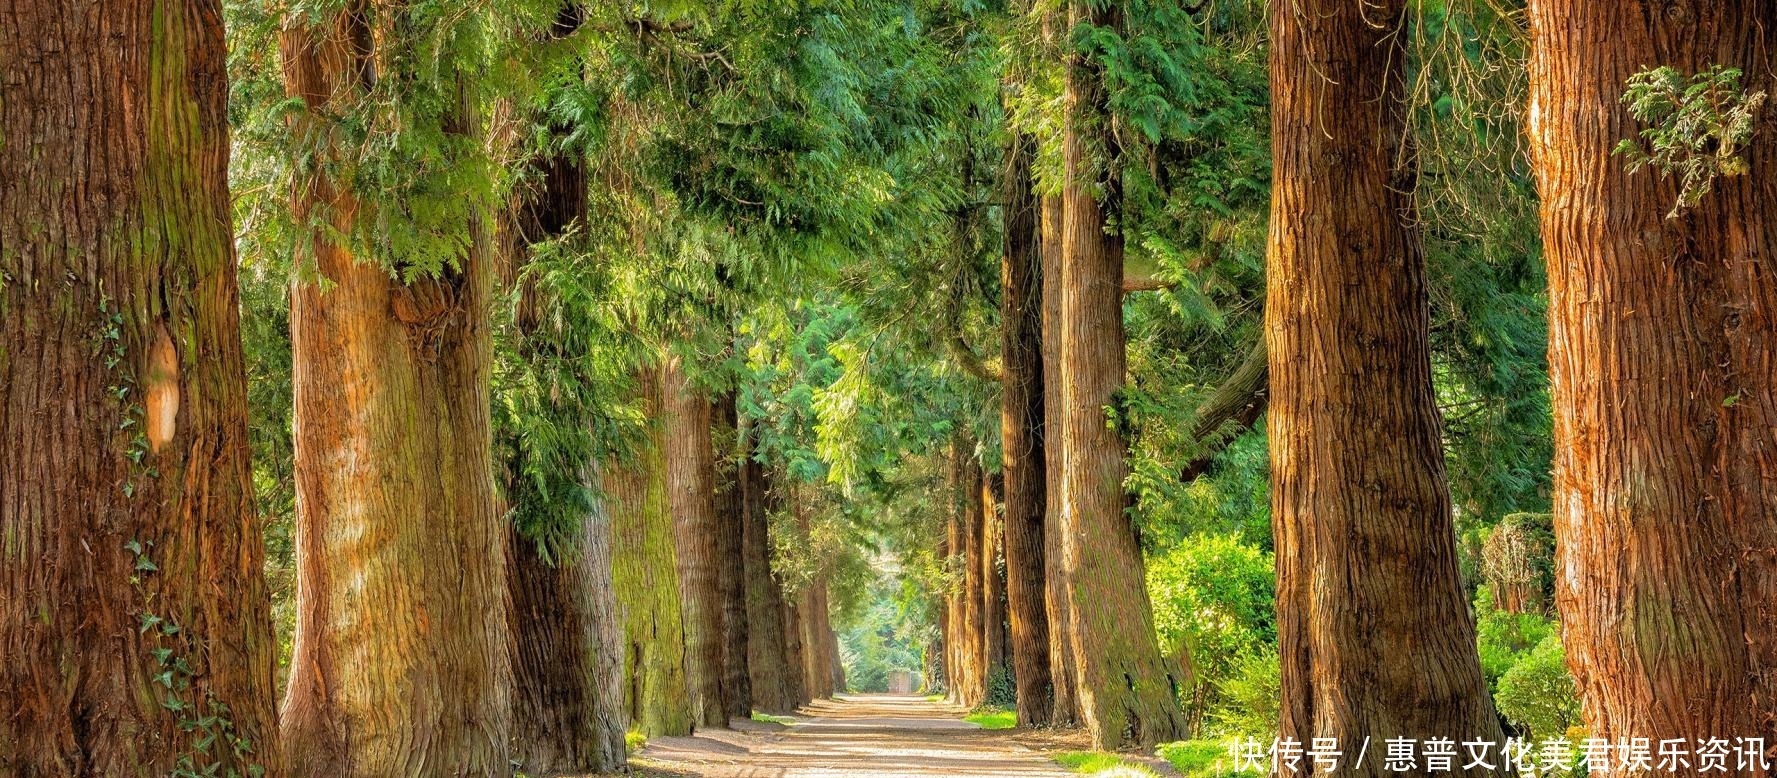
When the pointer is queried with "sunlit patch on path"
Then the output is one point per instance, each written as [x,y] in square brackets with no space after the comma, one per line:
[856,736]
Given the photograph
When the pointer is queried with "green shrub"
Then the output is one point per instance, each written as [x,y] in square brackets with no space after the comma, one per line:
[1002,688]
[1537,694]
[1213,599]
[1251,696]
[1505,639]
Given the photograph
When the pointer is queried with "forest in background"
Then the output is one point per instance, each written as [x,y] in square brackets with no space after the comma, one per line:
[1184,372]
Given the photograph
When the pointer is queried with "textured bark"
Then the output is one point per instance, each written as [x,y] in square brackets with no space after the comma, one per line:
[968,683]
[816,632]
[795,650]
[1663,344]
[770,674]
[1230,411]
[646,578]
[1357,467]
[400,664]
[568,711]
[114,202]
[1128,694]
[1021,438]
[1066,710]
[737,685]
[995,641]
[691,484]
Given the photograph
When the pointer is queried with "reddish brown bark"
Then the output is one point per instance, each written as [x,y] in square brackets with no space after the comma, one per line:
[1065,711]
[775,681]
[123,420]
[400,663]
[691,489]
[737,685]
[995,639]
[1663,344]
[1021,431]
[1356,460]
[1127,692]
[795,650]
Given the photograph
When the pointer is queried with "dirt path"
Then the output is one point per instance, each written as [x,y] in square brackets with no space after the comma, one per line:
[859,736]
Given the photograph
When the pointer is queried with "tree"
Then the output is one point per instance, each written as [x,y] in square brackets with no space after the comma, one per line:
[1022,443]
[1661,349]
[567,641]
[774,679]
[1357,463]
[737,683]
[133,610]
[1066,709]
[646,577]
[1128,695]
[401,581]
[691,489]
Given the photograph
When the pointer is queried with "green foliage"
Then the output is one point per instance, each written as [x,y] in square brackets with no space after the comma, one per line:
[1699,126]
[992,717]
[1525,666]
[1252,694]
[1214,602]
[1537,694]
[766,718]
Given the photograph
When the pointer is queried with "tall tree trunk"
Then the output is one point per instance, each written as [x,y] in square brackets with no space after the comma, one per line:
[795,649]
[1021,432]
[691,469]
[1357,466]
[568,711]
[1066,710]
[811,612]
[737,684]
[770,672]
[125,492]
[1128,694]
[1663,338]
[400,664]
[968,682]
[646,578]
[569,716]
[995,641]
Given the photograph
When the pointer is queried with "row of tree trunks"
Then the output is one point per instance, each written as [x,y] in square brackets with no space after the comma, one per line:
[1356,459]
[1128,694]
[691,489]
[401,663]
[1663,343]
[1021,428]
[115,213]
[737,684]
[646,578]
